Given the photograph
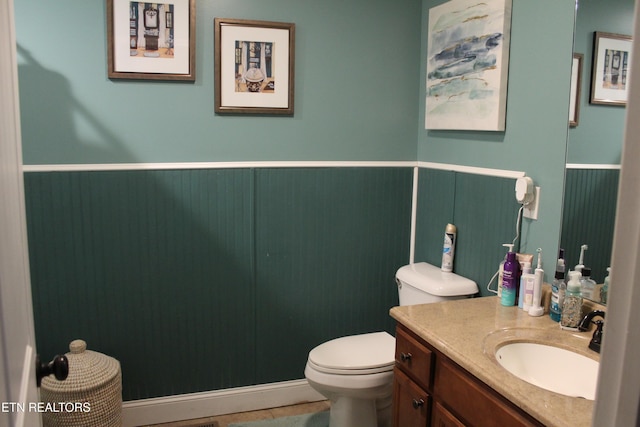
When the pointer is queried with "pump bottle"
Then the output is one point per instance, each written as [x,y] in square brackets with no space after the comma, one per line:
[510,280]
[501,269]
[572,306]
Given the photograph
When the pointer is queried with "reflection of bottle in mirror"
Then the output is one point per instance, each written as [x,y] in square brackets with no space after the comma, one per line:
[587,284]
[604,291]
[448,248]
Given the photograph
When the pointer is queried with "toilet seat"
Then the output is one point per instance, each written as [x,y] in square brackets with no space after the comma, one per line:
[355,355]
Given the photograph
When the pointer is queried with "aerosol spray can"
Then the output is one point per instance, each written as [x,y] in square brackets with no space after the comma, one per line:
[448,248]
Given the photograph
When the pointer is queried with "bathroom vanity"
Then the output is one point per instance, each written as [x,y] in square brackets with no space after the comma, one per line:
[446,371]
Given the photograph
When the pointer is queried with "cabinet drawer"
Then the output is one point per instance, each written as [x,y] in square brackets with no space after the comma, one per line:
[414,358]
[473,402]
[411,403]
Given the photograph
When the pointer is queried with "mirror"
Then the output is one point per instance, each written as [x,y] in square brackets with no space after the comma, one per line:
[594,148]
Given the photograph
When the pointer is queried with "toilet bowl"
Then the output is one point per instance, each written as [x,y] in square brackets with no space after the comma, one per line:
[355,373]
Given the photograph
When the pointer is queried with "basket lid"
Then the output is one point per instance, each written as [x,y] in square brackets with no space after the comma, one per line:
[87,370]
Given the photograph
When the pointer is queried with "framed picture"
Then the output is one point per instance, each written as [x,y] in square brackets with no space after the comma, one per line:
[576,85]
[611,67]
[151,41]
[254,66]
[468,65]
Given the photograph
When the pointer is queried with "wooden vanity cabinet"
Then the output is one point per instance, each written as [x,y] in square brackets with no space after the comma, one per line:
[432,390]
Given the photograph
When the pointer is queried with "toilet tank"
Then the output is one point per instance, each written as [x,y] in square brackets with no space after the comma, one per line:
[423,283]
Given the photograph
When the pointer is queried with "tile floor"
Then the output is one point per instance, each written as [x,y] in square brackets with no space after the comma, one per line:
[264,414]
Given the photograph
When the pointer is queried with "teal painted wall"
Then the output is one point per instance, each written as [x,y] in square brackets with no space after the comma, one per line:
[537,109]
[469,201]
[206,279]
[589,218]
[311,253]
[598,137]
[356,75]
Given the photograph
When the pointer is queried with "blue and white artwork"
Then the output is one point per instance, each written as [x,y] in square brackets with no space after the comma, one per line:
[467,65]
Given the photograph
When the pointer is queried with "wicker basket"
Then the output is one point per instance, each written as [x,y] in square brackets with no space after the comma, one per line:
[90,396]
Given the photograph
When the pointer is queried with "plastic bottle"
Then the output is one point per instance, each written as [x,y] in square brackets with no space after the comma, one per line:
[526,281]
[604,291]
[448,248]
[572,306]
[501,269]
[510,280]
[587,284]
[558,288]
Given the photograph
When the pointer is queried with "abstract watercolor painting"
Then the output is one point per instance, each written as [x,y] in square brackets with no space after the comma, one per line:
[467,65]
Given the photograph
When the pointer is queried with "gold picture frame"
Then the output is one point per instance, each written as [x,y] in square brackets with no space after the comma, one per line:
[611,60]
[151,41]
[254,67]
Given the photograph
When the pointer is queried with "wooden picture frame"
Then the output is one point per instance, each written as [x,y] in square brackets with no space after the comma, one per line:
[254,66]
[151,41]
[576,88]
[611,66]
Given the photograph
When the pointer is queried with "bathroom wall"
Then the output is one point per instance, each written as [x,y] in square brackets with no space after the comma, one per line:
[208,279]
[196,279]
[536,128]
[598,137]
[356,88]
[220,269]
[594,148]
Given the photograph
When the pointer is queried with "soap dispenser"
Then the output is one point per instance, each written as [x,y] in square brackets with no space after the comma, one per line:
[572,307]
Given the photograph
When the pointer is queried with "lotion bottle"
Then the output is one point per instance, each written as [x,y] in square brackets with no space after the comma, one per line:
[526,280]
[510,280]
[501,269]
[448,248]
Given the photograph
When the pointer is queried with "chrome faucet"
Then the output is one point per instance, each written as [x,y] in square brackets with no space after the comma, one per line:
[596,340]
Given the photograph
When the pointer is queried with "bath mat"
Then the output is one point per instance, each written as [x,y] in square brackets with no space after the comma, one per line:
[318,419]
[206,424]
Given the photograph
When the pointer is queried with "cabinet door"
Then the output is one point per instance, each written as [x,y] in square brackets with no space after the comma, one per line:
[473,402]
[414,358]
[444,418]
[410,402]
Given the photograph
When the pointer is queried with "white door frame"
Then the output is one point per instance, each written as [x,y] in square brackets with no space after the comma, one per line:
[17,337]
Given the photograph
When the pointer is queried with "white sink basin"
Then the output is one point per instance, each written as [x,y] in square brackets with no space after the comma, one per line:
[552,368]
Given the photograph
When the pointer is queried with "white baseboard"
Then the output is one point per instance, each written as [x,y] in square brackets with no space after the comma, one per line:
[219,402]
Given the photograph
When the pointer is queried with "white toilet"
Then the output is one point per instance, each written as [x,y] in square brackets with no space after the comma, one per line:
[355,373]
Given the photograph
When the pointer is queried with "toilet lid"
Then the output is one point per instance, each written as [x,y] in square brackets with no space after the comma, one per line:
[355,353]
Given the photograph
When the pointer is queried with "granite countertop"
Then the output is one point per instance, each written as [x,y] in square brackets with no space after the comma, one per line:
[468,331]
